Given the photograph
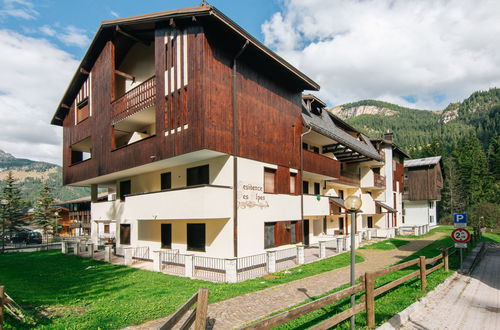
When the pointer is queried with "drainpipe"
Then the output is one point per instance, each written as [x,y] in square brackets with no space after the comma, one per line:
[235,153]
[302,181]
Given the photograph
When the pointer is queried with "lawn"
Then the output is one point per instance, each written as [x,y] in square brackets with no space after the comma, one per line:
[393,301]
[70,292]
[388,244]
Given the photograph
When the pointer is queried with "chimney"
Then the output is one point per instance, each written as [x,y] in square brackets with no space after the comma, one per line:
[388,136]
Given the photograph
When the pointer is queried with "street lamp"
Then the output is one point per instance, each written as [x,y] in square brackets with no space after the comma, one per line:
[353,204]
[4,203]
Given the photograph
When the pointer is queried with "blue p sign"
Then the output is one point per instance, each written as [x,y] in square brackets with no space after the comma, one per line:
[460,220]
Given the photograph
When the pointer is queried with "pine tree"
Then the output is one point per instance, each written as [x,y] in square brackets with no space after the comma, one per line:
[11,212]
[452,199]
[45,215]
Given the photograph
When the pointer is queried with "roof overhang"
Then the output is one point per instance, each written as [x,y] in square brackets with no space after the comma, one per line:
[387,207]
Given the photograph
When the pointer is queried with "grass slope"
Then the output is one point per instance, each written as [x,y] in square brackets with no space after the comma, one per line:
[69,292]
[388,244]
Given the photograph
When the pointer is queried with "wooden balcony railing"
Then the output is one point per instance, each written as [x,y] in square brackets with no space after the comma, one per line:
[378,180]
[320,164]
[135,100]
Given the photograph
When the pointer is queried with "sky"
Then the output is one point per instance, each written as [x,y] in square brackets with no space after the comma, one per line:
[422,54]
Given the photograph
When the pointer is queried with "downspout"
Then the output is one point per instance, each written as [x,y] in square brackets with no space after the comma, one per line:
[302,181]
[235,153]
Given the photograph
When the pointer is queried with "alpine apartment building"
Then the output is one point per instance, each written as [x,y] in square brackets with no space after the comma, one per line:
[206,142]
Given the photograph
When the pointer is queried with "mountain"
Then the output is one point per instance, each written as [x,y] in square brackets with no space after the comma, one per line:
[415,128]
[30,175]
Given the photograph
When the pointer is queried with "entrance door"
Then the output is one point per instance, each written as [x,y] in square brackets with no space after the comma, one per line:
[341,225]
[166,235]
[306,232]
[370,222]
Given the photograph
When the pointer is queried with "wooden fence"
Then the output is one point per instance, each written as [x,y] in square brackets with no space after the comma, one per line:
[367,299]
[198,315]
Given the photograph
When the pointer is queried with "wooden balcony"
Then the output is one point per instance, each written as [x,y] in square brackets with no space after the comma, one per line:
[319,164]
[135,100]
[346,179]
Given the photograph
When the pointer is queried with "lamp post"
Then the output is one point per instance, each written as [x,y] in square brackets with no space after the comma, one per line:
[353,204]
[4,203]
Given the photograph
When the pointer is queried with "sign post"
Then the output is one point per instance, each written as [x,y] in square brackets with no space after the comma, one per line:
[461,236]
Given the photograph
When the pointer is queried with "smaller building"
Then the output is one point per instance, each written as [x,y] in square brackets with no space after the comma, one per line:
[422,190]
[75,216]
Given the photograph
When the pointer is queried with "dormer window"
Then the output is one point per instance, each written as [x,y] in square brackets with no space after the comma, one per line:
[316,109]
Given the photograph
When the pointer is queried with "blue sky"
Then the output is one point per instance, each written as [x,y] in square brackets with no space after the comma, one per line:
[422,54]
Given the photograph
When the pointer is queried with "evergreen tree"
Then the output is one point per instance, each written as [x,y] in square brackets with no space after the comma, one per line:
[473,171]
[452,197]
[45,215]
[11,212]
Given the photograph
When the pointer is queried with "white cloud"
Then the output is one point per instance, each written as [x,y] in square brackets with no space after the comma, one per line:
[73,36]
[22,9]
[34,75]
[48,31]
[114,14]
[430,52]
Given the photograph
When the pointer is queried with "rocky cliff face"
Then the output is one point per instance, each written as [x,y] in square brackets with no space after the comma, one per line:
[347,113]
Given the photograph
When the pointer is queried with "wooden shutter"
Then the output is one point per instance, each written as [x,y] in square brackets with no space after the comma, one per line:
[269,180]
[293,182]
[269,235]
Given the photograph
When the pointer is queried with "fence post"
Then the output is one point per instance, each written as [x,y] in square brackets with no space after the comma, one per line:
[2,289]
[445,260]
[370,300]
[322,250]
[157,261]
[64,247]
[189,266]
[368,235]
[90,246]
[107,253]
[301,258]
[129,253]
[347,245]
[76,248]
[415,231]
[271,261]
[200,322]
[340,244]
[82,246]
[231,266]
[423,275]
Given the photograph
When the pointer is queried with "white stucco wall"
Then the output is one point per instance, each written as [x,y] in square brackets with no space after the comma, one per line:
[419,213]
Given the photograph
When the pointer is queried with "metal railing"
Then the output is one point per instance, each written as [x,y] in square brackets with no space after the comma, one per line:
[141,252]
[208,268]
[171,261]
[251,266]
[286,258]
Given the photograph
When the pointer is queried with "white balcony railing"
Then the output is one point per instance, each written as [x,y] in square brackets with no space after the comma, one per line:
[199,202]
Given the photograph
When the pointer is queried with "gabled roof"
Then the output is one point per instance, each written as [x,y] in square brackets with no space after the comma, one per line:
[107,28]
[330,126]
[423,161]
[394,146]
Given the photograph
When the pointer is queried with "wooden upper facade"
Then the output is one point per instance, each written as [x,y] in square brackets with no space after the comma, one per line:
[424,179]
[161,85]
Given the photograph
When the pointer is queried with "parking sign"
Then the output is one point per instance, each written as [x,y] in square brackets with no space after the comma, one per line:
[460,220]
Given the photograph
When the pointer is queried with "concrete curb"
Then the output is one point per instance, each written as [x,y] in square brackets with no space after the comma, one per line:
[403,317]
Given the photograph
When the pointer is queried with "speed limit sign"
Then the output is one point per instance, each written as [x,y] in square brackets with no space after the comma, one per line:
[460,235]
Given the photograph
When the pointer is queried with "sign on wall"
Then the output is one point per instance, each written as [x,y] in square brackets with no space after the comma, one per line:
[251,196]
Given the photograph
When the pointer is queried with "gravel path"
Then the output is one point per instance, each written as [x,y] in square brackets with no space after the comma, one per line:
[243,309]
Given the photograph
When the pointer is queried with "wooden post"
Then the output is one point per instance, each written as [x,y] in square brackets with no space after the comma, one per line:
[201,310]
[2,288]
[423,275]
[445,260]
[370,300]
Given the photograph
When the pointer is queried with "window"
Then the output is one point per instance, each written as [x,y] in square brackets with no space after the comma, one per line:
[125,234]
[431,205]
[315,150]
[166,181]
[196,237]
[197,175]
[106,229]
[269,180]
[376,170]
[293,232]
[431,219]
[324,225]
[341,194]
[293,182]
[305,187]
[269,234]
[81,150]
[370,222]
[125,189]
[317,190]
[305,146]
[166,236]
[341,223]
[82,102]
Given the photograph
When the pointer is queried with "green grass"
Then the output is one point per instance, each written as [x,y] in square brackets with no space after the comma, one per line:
[388,244]
[69,292]
[438,229]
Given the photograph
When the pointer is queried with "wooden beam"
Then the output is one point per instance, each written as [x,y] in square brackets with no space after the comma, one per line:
[82,70]
[131,36]
[65,106]
[125,75]
[172,23]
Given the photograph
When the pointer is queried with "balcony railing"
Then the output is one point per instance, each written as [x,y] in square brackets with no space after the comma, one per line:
[135,100]
[379,180]
[319,164]
[347,178]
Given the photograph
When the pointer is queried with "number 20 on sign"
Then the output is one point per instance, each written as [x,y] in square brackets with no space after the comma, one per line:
[460,235]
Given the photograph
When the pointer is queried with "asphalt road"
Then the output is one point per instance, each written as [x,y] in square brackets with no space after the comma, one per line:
[467,303]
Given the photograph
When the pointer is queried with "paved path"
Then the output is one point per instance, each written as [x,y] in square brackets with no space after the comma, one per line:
[467,303]
[240,310]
